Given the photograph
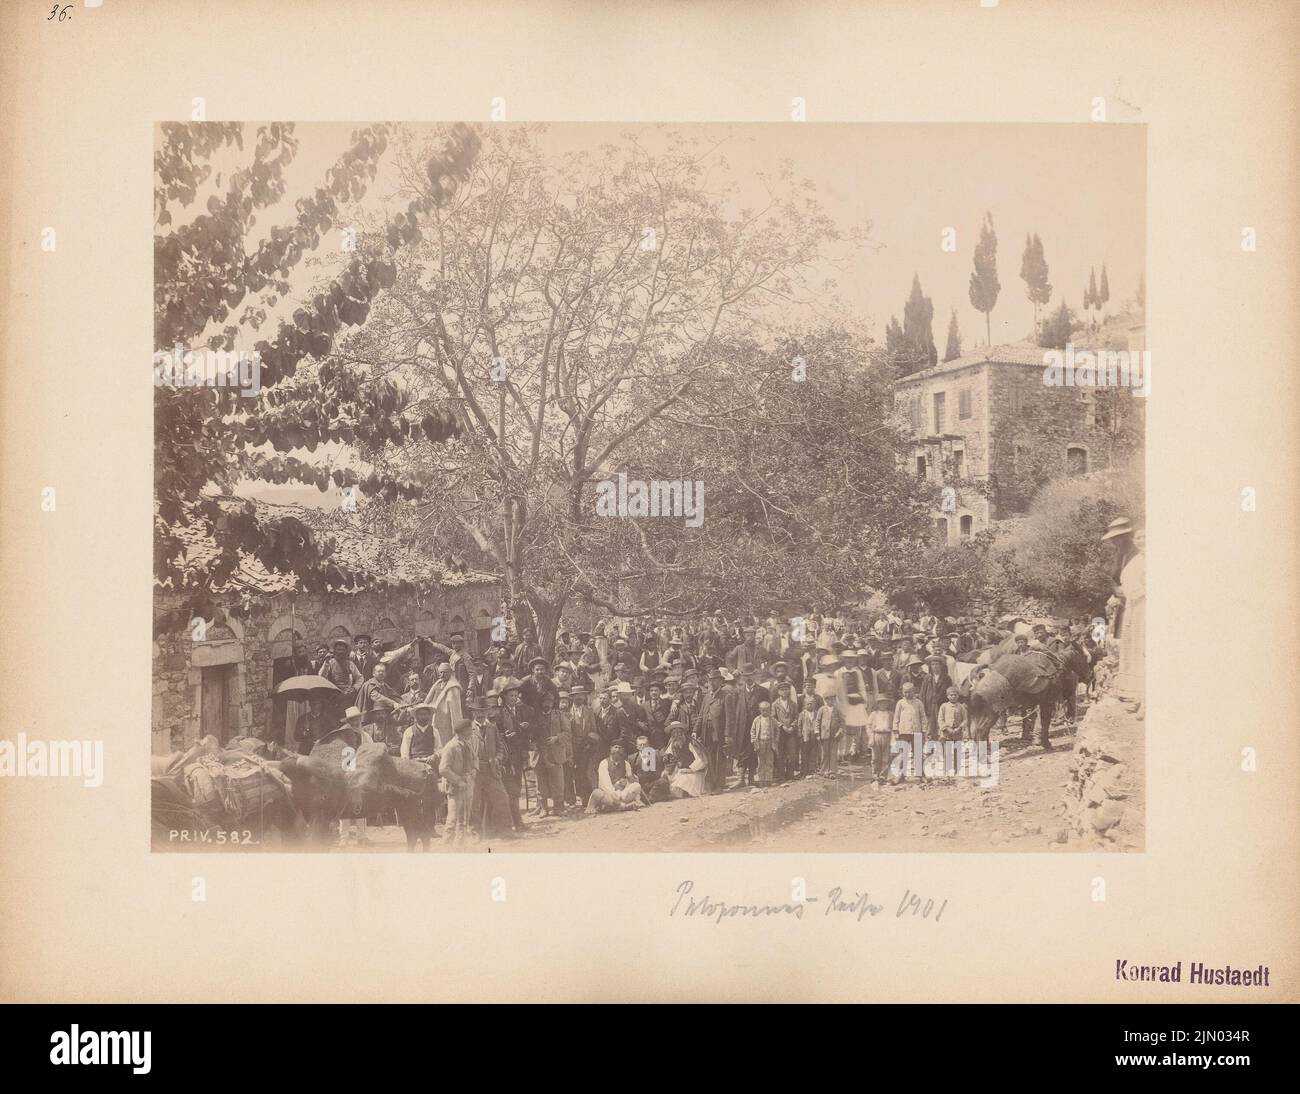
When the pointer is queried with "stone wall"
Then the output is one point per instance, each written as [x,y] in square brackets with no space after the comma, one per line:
[245,639]
[967,435]
[1033,426]
[1105,798]
[972,430]
[1018,434]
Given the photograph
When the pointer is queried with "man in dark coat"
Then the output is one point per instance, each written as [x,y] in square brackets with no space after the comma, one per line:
[515,722]
[934,691]
[716,716]
[539,685]
[626,719]
[341,671]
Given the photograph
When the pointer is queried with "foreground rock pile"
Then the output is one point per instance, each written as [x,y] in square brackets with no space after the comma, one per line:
[1104,796]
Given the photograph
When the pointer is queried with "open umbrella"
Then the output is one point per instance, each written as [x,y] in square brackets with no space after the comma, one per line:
[302,688]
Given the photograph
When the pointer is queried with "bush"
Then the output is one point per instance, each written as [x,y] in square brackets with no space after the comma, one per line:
[1055,553]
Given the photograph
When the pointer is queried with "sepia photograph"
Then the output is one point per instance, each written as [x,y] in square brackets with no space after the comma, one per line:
[662,487]
[648,503]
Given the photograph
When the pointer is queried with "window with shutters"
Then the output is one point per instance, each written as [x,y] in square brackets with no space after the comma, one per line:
[916,417]
[959,463]
[963,403]
[939,399]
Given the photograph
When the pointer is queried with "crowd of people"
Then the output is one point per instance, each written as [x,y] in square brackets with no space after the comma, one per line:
[638,711]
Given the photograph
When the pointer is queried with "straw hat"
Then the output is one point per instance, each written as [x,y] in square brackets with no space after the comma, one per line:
[1120,526]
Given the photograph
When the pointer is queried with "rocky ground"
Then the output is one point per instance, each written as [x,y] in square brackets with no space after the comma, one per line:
[1042,801]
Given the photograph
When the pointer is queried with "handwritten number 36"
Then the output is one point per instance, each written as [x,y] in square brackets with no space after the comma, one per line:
[63,13]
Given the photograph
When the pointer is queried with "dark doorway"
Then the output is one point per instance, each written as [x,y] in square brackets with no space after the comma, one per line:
[218,709]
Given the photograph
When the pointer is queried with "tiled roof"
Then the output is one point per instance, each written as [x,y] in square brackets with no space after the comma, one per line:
[1013,353]
[356,551]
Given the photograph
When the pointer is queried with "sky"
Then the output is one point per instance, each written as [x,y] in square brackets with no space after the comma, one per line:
[1080,187]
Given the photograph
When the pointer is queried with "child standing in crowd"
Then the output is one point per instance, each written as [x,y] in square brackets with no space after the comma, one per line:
[952,728]
[828,738]
[880,728]
[785,712]
[909,725]
[809,746]
[762,739]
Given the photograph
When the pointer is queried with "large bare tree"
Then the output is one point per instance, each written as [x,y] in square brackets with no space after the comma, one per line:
[563,304]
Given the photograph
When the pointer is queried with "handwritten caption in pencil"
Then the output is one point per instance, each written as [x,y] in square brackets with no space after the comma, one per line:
[856,904]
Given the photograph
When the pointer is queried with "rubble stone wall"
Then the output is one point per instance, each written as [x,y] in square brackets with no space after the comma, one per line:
[248,641]
[1105,798]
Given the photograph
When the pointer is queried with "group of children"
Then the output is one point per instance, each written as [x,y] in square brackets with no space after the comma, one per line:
[791,739]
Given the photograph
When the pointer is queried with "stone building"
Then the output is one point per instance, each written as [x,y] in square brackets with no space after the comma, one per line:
[214,673]
[989,431]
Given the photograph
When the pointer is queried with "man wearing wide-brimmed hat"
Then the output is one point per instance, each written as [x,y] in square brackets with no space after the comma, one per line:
[341,671]
[420,742]
[458,766]
[350,732]
[539,685]
[1129,568]
[587,744]
[490,811]
[514,721]
[721,718]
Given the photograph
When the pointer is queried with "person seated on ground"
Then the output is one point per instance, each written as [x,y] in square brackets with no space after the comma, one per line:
[647,764]
[616,788]
[688,764]
[661,790]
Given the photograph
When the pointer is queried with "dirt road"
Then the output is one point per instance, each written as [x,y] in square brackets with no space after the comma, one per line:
[1022,812]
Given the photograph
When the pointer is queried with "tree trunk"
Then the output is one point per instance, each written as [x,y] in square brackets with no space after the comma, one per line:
[548,622]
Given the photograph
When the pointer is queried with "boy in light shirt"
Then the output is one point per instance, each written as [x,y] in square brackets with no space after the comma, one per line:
[880,730]
[952,728]
[762,738]
[909,725]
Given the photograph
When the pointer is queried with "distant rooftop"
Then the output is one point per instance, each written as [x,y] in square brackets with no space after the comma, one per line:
[1028,352]
[1013,353]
